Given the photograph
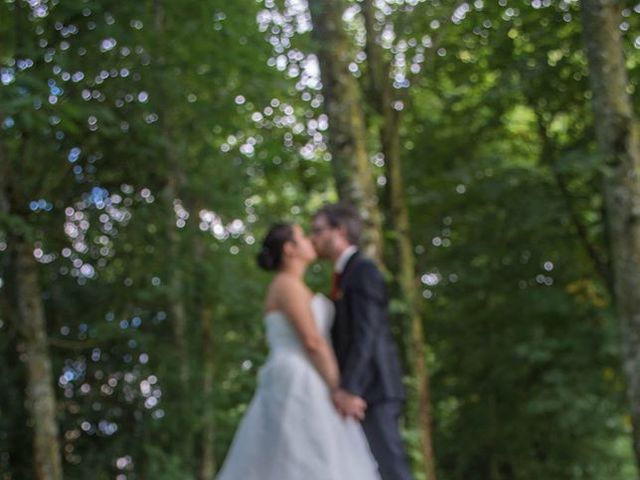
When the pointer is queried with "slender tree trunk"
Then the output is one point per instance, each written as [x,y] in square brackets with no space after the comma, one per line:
[181,397]
[207,467]
[208,462]
[617,135]
[404,266]
[415,341]
[170,194]
[5,171]
[40,393]
[347,135]
[177,309]
[176,281]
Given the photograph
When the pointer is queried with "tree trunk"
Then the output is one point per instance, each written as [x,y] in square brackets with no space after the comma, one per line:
[207,467]
[404,266]
[208,461]
[171,193]
[405,273]
[347,135]
[176,302]
[5,171]
[40,393]
[618,142]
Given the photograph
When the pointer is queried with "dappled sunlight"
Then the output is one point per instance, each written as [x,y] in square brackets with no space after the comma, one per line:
[146,148]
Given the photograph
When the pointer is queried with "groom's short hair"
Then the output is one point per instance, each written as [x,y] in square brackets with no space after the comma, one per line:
[343,215]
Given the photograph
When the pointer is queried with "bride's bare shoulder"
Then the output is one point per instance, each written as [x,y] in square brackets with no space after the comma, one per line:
[285,287]
[285,283]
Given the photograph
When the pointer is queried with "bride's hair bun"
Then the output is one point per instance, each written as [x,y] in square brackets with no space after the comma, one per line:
[266,259]
[270,255]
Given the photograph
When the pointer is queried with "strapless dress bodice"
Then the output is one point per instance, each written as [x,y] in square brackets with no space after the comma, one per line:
[282,335]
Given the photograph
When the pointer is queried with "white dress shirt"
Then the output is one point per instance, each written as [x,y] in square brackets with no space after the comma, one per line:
[344,258]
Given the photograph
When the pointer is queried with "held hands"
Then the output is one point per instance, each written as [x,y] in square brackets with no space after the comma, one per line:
[349,405]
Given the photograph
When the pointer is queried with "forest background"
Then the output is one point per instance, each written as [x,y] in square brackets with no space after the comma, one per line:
[492,147]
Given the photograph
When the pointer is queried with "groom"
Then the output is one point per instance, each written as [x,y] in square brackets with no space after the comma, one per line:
[367,357]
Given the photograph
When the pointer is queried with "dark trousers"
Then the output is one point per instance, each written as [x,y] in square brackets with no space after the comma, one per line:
[381,428]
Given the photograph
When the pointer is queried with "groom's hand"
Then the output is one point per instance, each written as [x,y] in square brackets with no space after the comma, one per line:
[349,405]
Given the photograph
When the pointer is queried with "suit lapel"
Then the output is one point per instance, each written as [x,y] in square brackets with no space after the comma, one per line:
[348,268]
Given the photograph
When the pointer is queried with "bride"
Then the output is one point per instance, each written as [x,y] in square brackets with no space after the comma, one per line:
[292,430]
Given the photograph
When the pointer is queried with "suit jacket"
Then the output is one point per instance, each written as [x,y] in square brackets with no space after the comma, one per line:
[364,347]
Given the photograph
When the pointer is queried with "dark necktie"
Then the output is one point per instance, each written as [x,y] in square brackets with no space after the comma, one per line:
[334,286]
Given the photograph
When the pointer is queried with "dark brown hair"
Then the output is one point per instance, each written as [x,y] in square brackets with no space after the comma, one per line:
[270,256]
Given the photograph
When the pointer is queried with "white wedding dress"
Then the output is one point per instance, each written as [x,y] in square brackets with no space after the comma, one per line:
[291,430]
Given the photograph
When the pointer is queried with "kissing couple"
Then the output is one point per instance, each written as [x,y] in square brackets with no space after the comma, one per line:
[330,393]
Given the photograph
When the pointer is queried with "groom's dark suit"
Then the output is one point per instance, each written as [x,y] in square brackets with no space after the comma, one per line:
[368,360]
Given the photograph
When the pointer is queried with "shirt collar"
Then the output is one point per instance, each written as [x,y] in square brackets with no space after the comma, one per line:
[344,258]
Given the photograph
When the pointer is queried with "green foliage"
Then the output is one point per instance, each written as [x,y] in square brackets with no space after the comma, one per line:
[497,146]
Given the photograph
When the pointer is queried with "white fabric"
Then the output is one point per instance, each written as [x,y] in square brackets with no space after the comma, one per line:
[291,430]
[344,258]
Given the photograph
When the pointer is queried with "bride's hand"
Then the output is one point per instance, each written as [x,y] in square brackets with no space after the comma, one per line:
[349,405]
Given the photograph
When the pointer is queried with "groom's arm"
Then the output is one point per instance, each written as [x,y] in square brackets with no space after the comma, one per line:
[367,300]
